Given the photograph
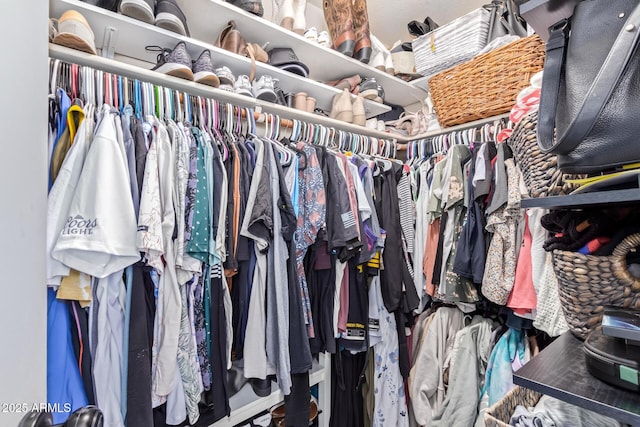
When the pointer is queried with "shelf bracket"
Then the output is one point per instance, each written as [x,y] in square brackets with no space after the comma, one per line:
[109,42]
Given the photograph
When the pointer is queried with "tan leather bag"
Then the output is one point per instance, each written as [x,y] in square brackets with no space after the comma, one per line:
[230,39]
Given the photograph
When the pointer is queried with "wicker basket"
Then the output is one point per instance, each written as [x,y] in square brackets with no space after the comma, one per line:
[588,283]
[488,84]
[500,413]
[539,170]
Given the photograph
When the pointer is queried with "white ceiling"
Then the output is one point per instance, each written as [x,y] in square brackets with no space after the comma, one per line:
[389,18]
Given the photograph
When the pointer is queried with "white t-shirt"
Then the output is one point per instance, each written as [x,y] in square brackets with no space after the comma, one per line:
[62,192]
[99,234]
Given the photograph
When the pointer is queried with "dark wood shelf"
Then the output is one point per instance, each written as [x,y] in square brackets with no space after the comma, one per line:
[584,200]
[560,371]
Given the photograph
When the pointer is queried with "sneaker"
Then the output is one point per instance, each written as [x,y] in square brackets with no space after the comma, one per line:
[203,71]
[264,89]
[176,62]
[242,86]
[74,32]
[142,10]
[370,89]
[227,87]
[226,76]
[170,17]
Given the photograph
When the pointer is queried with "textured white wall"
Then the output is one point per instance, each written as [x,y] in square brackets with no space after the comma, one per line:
[23,207]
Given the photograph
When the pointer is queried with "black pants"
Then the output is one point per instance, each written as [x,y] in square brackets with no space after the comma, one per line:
[296,404]
[139,409]
[346,399]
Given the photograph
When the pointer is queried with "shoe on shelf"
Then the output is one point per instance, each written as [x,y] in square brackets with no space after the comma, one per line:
[142,10]
[311,104]
[359,113]
[170,17]
[285,14]
[339,18]
[227,87]
[324,39]
[242,86]
[380,97]
[362,50]
[225,75]
[311,34]
[281,97]
[300,101]
[251,6]
[203,71]
[385,56]
[174,62]
[111,5]
[350,83]
[53,31]
[371,123]
[290,99]
[369,88]
[299,16]
[341,107]
[264,89]
[74,32]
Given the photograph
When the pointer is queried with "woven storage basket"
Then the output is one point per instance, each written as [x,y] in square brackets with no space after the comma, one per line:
[500,413]
[488,84]
[588,283]
[452,43]
[539,170]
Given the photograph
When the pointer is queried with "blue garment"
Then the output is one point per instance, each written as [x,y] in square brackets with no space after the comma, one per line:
[64,384]
[499,379]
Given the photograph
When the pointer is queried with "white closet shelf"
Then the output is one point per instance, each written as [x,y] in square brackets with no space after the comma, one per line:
[206,18]
[129,37]
[142,74]
[246,404]
[421,83]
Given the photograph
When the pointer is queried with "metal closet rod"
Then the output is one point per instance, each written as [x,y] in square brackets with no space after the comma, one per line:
[444,131]
[134,72]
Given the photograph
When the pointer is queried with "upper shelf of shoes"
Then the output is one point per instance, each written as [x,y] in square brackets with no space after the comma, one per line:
[133,36]
[207,17]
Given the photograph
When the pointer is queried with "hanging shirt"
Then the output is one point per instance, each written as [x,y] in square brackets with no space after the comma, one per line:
[155,237]
[255,225]
[61,196]
[108,355]
[98,237]
[311,218]
[390,399]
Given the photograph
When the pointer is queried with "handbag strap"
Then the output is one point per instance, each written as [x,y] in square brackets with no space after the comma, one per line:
[598,93]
